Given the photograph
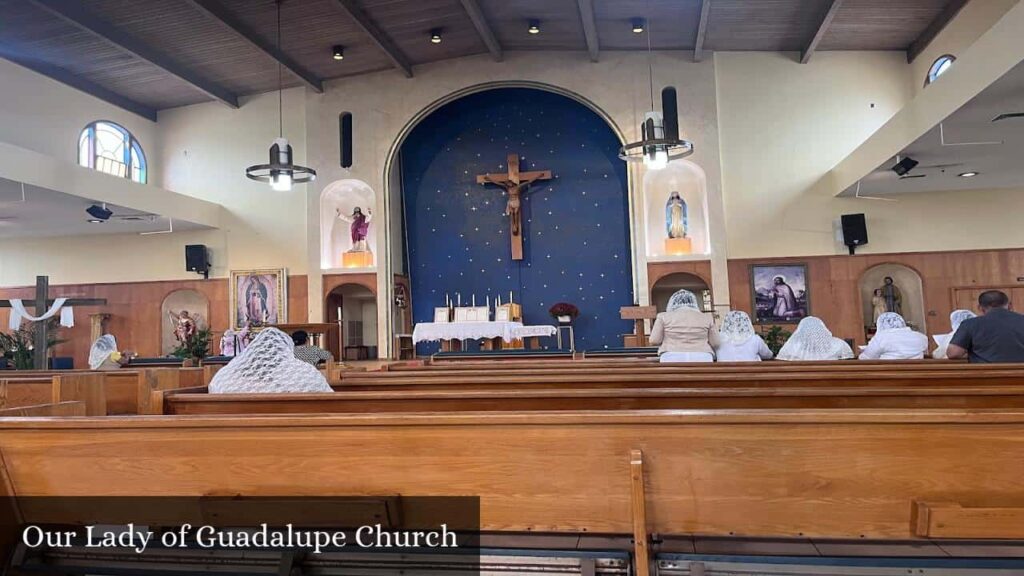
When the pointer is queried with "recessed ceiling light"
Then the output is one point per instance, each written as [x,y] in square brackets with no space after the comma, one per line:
[95,221]
[638,25]
[969,174]
[339,52]
[534,27]
[435,36]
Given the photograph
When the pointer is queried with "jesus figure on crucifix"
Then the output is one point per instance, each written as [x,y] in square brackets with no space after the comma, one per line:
[516,183]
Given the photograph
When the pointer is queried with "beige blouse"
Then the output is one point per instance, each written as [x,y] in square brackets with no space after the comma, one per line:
[685,330]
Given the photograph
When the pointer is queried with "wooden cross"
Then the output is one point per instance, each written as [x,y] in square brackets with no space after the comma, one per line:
[41,305]
[515,182]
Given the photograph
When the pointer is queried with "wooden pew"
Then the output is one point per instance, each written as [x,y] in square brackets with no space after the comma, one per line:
[75,408]
[124,392]
[650,379]
[634,363]
[198,401]
[760,473]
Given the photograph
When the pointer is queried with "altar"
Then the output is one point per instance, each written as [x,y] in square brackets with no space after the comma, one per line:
[494,334]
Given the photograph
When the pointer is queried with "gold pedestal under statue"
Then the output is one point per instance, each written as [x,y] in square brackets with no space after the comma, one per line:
[678,246]
[357,259]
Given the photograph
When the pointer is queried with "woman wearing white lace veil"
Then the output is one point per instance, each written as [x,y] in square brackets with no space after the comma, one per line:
[738,341]
[894,340]
[104,355]
[683,332]
[955,320]
[813,341]
[268,365]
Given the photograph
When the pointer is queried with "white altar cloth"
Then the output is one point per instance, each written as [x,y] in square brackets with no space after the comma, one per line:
[507,331]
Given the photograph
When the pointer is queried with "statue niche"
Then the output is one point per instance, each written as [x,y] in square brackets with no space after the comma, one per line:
[346,214]
[892,288]
[183,313]
[675,201]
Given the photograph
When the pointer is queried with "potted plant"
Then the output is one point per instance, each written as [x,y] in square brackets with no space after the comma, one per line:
[18,347]
[564,313]
[194,349]
[774,338]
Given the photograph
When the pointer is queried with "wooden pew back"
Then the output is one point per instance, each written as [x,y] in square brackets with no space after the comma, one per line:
[74,408]
[759,473]
[198,401]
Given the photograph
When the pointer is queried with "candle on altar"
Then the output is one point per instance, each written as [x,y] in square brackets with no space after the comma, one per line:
[339,312]
[447,301]
[498,305]
[474,300]
[459,296]
[509,296]
[488,302]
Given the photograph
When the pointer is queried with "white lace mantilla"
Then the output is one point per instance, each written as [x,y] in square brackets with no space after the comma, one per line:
[507,331]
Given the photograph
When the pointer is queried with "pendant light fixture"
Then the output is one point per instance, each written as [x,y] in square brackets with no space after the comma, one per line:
[659,133]
[280,173]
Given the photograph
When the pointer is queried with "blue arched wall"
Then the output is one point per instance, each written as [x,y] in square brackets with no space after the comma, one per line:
[576,226]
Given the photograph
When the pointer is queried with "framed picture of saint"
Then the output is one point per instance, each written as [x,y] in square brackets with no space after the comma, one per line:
[258,298]
[780,293]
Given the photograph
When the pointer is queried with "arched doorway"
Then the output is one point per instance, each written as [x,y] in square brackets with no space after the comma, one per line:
[911,290]
[669,284]
[576,227]
[355,307]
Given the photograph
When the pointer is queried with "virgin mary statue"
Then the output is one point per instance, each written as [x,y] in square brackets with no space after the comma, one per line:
[677,222]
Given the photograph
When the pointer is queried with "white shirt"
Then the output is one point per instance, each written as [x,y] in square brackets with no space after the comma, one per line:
[896,344]
[752,350]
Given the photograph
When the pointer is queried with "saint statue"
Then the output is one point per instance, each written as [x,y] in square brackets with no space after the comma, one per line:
[185,325]
[360,227]
[785,305]
[233,342]
[677,221]
[256,310]
[893,296]
[877,305]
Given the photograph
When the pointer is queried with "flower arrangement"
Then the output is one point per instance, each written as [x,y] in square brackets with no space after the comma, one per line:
[564,312]
[195,348]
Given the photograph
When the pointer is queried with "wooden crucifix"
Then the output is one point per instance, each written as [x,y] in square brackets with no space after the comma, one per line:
[515,183]
[41,305]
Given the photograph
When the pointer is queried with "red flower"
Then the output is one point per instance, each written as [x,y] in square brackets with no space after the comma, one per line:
[564,309]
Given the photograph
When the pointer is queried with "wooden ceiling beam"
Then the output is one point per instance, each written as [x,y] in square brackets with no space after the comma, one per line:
[590,28]
[937,25]
[78,83]
[382,40]
[476,16]
[72,12]
[702,30]
[216,11]
[805,56]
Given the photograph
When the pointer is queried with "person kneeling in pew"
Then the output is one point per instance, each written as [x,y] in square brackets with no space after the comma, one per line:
[268,365]
[104,354]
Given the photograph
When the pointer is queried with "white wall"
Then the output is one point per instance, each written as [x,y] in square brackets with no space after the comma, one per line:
[46,116]
[205,150]
[783,126]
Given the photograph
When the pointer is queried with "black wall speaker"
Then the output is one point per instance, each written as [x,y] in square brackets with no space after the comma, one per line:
[670,111]
[855,231]
[345,132]
[197,259]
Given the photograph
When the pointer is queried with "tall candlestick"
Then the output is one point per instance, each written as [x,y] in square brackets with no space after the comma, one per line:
[339,312]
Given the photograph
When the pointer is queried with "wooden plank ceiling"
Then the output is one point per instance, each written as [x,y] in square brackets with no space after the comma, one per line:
[155,54]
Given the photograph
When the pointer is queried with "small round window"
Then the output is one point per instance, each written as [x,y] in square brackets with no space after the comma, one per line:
[939,67]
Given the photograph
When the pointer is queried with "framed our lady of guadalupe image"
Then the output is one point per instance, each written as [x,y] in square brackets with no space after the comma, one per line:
[258,297]
[779,293]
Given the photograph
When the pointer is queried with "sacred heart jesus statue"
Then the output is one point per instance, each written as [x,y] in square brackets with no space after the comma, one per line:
[516,183]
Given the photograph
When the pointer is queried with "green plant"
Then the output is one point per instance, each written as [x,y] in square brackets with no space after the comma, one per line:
[196,346]
[775,337]
[19,346]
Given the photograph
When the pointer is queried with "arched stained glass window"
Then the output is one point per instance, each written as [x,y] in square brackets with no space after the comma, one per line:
[110,148]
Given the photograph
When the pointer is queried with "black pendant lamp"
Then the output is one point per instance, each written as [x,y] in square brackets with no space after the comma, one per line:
[280,172]
[659,132]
